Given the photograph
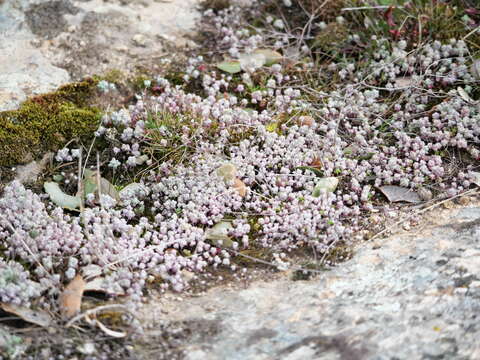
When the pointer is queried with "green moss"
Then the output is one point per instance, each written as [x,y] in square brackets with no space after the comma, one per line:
[45,122]
[305,274]
[113,76]
[216,5]
[138,82]
[331,39]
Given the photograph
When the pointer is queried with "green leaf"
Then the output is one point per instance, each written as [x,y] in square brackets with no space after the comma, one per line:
[348,151]
[227,171]
[218,234]
[89,185]
[272,127]
[367,156]
[230,66]
[132,187]
[59,198]
[252,61]
[386,2]
[106,188]
[310,168]
[271,56]
[329,184]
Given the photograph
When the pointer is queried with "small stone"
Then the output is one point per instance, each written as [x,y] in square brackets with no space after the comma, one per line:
[36,42]
[139,40]
[433,351]
[87,348]
[475,284]
[441,262]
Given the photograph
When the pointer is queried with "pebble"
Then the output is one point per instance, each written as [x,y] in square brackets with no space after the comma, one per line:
[139,40]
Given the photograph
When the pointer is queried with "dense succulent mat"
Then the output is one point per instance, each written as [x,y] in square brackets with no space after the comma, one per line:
[295,139]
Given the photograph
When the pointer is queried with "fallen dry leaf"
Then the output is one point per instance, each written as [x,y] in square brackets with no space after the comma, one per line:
[475,69]
[37,317]
[71,297]
[305,120]
[316,163]
[463,94]
[240,187]
[230,66]
[29,173]
[398,193]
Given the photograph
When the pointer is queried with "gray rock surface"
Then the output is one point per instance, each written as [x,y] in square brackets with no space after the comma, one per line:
[46,43]
[415,295]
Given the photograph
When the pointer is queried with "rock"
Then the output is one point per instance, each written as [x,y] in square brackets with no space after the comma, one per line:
[390,301]
[31,73]
[47,19]
[57,41]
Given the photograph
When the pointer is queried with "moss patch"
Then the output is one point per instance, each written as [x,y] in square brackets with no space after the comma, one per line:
[46,122]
